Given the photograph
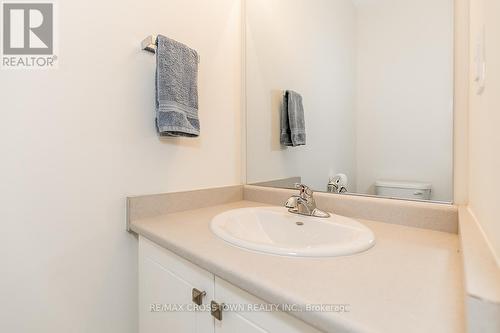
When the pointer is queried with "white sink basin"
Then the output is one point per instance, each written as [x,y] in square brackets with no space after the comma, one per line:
[274,230]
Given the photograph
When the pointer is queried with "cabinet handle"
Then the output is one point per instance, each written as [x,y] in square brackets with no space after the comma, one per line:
[216,310]
[197,296]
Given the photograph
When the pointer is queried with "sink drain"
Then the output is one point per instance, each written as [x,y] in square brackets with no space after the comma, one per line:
[299,223]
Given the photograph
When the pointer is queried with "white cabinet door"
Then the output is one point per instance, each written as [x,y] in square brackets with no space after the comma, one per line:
[166,282]
[237,319]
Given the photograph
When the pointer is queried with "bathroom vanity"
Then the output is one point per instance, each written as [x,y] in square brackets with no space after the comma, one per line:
[410,281]
[198,299]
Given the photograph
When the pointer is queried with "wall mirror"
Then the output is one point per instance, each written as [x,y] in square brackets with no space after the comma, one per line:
[373,80]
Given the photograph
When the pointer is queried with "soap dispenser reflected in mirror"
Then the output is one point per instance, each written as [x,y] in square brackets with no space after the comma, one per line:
[337,184]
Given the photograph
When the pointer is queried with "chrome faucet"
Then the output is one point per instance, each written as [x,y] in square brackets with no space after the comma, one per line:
[304,203]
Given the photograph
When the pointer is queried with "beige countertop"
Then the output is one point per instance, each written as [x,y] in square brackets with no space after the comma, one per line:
[411,281]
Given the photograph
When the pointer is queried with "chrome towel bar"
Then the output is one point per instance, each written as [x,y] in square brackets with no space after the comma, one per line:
[149,44]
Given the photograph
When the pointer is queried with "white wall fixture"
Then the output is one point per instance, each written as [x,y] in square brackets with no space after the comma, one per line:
[480,61]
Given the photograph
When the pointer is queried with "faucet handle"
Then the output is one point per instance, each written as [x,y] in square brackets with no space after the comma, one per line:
[304,189]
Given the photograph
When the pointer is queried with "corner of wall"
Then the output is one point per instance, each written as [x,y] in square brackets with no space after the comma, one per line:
[461,104]
[243,92]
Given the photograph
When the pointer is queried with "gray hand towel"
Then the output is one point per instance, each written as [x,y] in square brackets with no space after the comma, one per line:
[293,128]
[176,89]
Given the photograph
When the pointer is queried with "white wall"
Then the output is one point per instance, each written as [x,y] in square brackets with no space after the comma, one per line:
[404,99]
[292,44]
[484,124]
[76,141]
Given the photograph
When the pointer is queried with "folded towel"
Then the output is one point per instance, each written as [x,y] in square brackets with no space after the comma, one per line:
[293,129]
[176,89]
[285,133]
